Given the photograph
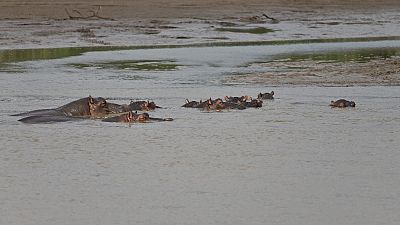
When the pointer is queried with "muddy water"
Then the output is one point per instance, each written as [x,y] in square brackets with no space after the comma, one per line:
[294,161]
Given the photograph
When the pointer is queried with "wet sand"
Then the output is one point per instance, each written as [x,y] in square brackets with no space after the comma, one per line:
[119,9]
[26,24]
[382,72]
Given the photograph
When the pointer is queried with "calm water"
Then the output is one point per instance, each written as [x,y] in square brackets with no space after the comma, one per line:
[294,161]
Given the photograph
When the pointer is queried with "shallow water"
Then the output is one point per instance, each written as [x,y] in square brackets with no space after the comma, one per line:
[294,161]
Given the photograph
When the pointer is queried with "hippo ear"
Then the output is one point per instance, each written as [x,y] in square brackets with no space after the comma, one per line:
[90,99]
[129,116]
[272,93]
[187,100]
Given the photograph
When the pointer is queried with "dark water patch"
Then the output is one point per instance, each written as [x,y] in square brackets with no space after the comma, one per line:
[127,77]
[20,55]
[358,55]
[217,38]
[255,30]
[183,37]
[333,23]
[146,65]
[227,24]
[10,68]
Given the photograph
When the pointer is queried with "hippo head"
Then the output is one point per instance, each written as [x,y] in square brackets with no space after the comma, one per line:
[216,104]
[237,99]
[134,117]
[150,105]
[219,104]
[190,104]
[352,104]
[142,117]
[256,103]
[266,95]
[98,107]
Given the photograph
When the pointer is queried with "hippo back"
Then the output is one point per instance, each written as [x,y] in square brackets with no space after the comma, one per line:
[92,107]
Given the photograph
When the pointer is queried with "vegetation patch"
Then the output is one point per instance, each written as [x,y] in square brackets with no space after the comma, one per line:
[145,65]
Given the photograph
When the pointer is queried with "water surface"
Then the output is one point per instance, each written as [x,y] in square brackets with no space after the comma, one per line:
[293,161]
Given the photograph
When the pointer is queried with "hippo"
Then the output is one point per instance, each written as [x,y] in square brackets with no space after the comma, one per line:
[129,117]
[254,103]
[132,117]
[48,119]
[133,106]
[342,103]
[191,104]
[266,95]
[142,106]
[216,105]
[237,100]
[117,108]
[194,104]
[84,107]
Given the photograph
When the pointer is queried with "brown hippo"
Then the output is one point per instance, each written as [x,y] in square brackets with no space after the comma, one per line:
[237,100]
[133,106]
[216,105]
[195,104]
[191,104]
[129,117]
[49,119]
[133,117]
[266,95]
[254,103]
[142,106]
[84,107]
[342,103]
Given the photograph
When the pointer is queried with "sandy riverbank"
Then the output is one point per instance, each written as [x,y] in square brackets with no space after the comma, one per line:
[50,24]
[27,24]
[118,9]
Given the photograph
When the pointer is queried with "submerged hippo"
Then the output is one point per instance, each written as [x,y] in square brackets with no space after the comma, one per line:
[48,119]
[143,106]
[266,95]
[133,106]
[254,103]
[195,104]
[84,107]
[216,105]
[342,103]
[237,100]
[132,117]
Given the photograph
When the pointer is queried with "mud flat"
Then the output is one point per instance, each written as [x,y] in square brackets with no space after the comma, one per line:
[381,72]
[27,24]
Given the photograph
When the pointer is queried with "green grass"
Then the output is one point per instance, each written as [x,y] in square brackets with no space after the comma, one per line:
[20,55]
